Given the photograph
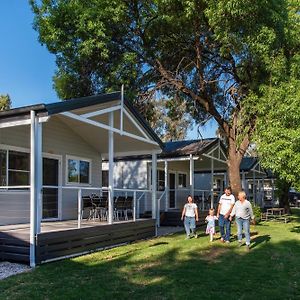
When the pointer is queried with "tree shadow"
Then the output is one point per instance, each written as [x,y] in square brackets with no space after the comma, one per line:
[296,229]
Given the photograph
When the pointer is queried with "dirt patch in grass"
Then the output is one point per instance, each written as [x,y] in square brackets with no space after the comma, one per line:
[214,253]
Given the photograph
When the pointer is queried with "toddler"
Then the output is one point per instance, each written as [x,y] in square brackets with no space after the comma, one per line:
[210,220]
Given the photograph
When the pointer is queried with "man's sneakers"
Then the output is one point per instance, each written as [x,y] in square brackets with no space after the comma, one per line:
[222,240]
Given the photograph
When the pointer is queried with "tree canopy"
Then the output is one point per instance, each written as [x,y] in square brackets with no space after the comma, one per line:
[215,56]
[278,131]
[5,102]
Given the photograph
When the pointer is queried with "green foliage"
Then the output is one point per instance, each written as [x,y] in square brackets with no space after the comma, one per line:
[257,212]
[5,102]
[278,130]
[216,56]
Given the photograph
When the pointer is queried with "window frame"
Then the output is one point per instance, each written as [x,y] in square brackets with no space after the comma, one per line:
[186,180]
[78,158]
[7,149]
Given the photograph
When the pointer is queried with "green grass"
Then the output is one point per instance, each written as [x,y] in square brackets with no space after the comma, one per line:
[174,268]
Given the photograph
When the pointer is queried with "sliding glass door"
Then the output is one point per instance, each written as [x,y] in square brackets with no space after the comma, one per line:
[51,191]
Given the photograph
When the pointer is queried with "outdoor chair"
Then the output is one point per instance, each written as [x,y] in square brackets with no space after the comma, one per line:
[128,207]
[87,205]
[119,210]
[100,207]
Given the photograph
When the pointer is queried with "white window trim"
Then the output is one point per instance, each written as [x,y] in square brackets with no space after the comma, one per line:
[149,177]
[67,173]
[186,180]
[8,148]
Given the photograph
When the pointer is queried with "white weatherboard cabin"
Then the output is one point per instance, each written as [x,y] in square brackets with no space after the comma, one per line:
[196,167]
[176,168]
[50,158]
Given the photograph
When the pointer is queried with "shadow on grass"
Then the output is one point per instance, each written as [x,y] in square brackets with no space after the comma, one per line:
[158,244]
[296,229]
[260,239]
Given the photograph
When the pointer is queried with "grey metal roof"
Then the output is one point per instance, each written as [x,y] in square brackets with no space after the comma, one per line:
[187,147]
[248,163]
[174,149]
[72,104]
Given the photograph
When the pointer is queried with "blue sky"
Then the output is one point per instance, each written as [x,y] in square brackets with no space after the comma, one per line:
[26,67]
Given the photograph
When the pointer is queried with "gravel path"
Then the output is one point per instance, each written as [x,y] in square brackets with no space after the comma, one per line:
[8,269]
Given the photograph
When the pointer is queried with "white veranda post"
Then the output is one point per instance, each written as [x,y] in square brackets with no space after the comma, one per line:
[154,185]
[212,184]
[33,187]
[111,170]
[166,185]
[192,175]
[39,174]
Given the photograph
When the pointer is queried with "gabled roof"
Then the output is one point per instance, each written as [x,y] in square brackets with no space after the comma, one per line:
[72,104]
[175,149]
[187,147]
[248,163]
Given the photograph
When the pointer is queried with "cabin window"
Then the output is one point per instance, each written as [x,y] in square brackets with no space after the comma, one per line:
[78,171]
[160,180]
[3,167]
[182,180]
[15,168]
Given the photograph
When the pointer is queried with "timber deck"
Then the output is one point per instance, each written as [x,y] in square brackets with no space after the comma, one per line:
[63,239]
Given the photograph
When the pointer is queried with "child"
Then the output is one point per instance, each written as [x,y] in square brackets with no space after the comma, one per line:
[190,215]
[210,220]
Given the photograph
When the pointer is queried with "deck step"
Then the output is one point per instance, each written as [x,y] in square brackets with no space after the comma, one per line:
[173,218]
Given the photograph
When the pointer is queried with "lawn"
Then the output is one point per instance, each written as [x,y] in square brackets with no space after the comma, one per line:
[174,268]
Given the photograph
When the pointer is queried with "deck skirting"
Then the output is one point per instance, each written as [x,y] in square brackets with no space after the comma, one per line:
[55,245]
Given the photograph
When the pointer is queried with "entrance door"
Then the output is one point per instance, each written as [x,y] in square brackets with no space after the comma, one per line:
[50,194]
[172,194]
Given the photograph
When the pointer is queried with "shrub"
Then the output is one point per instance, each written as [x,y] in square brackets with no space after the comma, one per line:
[257,212]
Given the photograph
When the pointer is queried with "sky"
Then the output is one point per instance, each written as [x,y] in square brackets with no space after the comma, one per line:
[27,68]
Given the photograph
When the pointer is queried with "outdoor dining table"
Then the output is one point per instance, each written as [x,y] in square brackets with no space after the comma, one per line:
[275,211]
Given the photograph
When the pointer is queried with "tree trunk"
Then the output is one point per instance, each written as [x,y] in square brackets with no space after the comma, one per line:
[233,163]
[283,194]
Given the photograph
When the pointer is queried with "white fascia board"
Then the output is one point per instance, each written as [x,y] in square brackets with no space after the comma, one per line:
[131,153]
[216,159]
[22,122]
[109,128]
[135,123]
[101,112]
[174,159]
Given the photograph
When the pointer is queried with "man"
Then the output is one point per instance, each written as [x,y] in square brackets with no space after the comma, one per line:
[243,213]
[226,204]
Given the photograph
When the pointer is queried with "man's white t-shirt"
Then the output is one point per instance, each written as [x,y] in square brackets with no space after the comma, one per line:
[190,209]
[226,202]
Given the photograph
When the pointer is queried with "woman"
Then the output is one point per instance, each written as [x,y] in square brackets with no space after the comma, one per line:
[190,216]
[243,212]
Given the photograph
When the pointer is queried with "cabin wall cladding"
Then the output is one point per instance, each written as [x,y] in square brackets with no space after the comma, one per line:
[129,174]
[58,139]
[14,207]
